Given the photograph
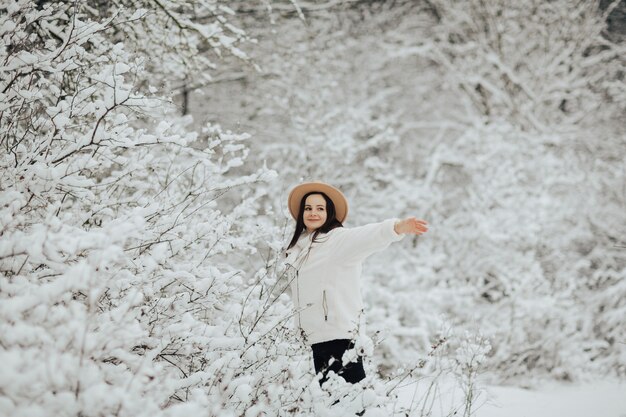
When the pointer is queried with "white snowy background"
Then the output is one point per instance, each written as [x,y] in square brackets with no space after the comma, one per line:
[148,150]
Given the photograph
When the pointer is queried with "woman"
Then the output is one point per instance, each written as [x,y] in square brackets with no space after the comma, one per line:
[324,263]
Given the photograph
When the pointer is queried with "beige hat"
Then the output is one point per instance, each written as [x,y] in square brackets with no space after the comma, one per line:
[299,191]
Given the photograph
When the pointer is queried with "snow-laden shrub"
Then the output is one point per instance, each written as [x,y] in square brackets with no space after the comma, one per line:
[116,295]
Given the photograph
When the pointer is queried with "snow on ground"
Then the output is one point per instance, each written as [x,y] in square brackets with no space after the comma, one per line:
[589,399]
[585,399]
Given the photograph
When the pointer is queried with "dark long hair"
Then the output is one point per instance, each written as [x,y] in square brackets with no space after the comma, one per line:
[330,223]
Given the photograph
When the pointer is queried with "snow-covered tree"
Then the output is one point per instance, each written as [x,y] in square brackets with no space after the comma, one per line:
[535,63]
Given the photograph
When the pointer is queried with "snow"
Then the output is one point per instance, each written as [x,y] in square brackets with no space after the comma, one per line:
[585,399]
[602,398]
[139,248]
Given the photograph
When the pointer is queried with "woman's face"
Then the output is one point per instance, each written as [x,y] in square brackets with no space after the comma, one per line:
[314,212]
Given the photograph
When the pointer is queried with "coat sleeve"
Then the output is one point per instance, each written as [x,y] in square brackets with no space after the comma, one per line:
[357,243]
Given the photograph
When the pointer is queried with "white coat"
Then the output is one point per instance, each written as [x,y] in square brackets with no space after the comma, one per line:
[325,279]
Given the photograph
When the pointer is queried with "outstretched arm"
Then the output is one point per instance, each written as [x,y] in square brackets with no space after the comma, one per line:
[360,242]
[410,226]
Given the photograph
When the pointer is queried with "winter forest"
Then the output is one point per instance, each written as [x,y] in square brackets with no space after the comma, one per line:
[149,147]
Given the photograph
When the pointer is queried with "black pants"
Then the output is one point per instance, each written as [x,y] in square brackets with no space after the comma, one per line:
[352,372]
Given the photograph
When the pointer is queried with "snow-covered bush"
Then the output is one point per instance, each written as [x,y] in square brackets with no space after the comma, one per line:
[117,293]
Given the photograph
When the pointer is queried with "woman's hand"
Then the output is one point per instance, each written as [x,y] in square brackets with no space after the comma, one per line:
[411,225]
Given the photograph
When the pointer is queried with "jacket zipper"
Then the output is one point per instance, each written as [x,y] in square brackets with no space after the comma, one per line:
[298,297]
[325,305]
